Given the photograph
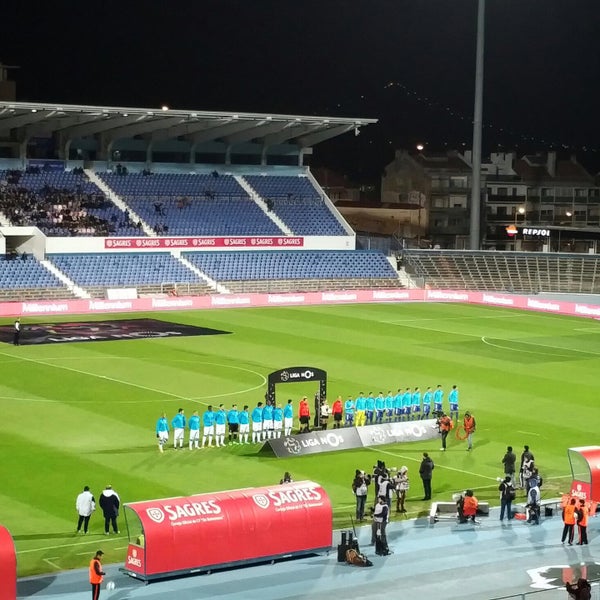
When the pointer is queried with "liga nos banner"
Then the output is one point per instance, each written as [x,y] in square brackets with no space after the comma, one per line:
[177,536]
[348,438]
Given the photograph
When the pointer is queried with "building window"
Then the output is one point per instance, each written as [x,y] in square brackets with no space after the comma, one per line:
[458,201]
[502,191]
[458,182]
[547,193]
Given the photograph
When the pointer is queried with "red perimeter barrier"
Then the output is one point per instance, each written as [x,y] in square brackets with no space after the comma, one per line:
[8,566]
[585,468]
[176,536]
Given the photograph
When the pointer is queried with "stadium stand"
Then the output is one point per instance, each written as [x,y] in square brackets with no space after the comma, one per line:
[60,203]
[192,204]
[150,273]
[297,203]
[264,271]
[523,272]
[25,278]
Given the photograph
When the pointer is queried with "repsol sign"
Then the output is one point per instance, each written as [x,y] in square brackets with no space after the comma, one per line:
[535,231]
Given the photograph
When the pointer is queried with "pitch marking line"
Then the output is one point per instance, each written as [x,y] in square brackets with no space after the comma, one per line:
[53,564]
[72,544]
[399,321]
[529,433]
[516,341]
[375,449]
[197,399]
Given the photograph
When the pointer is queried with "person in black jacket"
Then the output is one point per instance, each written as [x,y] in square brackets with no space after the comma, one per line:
[426,473]
[507,495]
[110,503]
[509,461]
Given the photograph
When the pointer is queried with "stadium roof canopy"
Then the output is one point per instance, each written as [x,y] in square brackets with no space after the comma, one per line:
[75,126]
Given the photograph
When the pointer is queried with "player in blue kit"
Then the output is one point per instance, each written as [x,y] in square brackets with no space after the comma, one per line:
[162,431]
[427,400]
[257,422]
[208,426]
[398,406]
[220,422]
[178,424]
[194,427]
[438,399]
[453,401]
[360,406]
[267,426]
[277,421]
[370,410]
[406,403]
[379,407]
[389,405]
[349,412]
[244,419]
[288,418]
[416,404]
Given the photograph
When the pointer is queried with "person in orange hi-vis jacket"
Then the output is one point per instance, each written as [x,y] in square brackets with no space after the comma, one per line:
[96,574]
[469,425]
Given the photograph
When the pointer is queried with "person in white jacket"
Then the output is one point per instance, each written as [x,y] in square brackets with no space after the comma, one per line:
[85,505]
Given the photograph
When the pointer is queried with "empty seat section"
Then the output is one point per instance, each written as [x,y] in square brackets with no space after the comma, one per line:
[298,203]
[192,204]
[123,269]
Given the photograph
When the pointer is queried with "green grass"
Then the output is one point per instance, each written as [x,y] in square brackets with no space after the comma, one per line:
[84,413]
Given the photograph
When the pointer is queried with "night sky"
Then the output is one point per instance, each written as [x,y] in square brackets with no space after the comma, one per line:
[408,63]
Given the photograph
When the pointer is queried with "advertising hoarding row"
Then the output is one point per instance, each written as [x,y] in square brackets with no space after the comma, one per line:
[94,306]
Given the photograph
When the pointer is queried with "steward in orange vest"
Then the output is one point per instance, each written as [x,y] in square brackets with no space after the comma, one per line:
[96,574]
[569,521]
[582,521]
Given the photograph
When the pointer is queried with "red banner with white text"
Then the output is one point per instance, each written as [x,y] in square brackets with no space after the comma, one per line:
[208,531]
[203,242]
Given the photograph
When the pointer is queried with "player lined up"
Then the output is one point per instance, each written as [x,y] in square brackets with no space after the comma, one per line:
[268,422]
[404,405]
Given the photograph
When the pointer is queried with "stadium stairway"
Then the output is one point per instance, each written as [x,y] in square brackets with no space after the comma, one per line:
[118,201]
[71,285]
[406,280]
[257,199]
[221,289]
[334,211]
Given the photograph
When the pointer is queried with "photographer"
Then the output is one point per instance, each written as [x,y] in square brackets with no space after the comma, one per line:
[386,487]
[360,487]
[401,485]
[378,470]
[380,519]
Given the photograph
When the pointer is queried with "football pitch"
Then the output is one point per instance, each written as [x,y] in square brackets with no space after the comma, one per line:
[76,414]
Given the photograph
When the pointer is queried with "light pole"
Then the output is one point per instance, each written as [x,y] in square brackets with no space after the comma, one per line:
[520,211]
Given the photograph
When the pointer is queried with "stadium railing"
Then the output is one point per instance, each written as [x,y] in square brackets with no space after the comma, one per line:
[553,594]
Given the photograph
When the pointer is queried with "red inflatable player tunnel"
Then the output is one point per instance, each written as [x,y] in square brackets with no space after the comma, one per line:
[8,566]
[585,468]
[177,536]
